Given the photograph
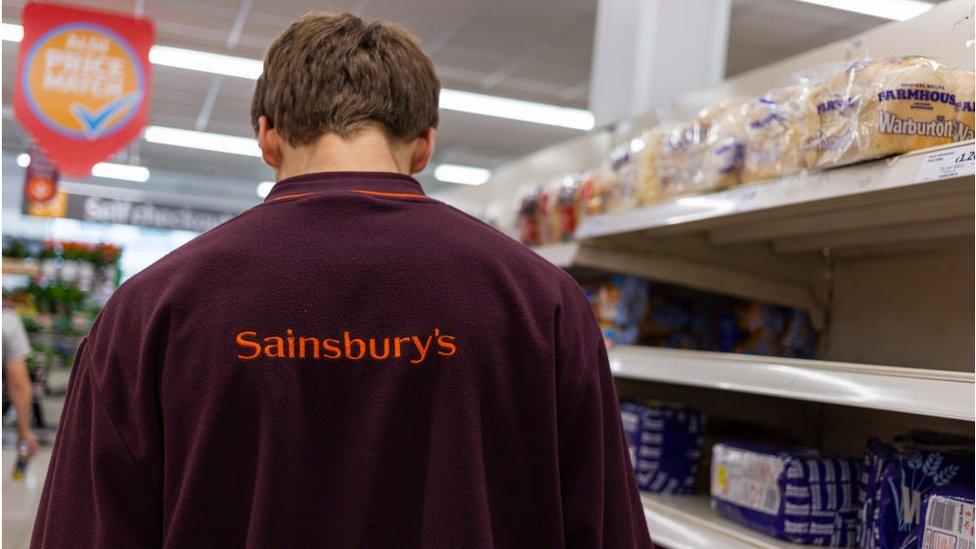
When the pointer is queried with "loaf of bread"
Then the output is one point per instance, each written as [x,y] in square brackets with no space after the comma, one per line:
[912,107]
[647,188]
[878,108]
[722,131]
[680,160]
[962,84]
[773,128]
[831,115]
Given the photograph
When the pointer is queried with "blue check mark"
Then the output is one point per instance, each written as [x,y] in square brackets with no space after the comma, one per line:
[94,122]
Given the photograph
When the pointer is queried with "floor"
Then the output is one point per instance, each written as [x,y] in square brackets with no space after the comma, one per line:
[20,498]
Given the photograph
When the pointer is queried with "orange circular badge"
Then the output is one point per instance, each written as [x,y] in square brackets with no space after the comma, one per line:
[40,189]
[83,80]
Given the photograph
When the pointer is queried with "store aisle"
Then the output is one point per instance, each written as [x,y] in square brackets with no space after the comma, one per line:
[20,499]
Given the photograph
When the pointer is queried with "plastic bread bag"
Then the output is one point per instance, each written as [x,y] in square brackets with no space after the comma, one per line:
[721,130]
[527,217]
[831,114]
[598,192]
[624,178]
[647,188]
[587,201]
[549,222]
[912,107]
[880,107]
[962,86]
[679,163]
[564,215]
[773,128]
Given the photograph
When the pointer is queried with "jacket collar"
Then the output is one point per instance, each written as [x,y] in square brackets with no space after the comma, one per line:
[372,182]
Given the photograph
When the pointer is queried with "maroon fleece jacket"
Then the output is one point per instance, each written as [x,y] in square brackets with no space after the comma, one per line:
[348,364]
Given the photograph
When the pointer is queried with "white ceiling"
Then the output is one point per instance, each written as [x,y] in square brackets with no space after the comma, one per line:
[538,50]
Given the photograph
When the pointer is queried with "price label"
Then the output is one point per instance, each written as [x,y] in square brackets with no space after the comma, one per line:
[956,162]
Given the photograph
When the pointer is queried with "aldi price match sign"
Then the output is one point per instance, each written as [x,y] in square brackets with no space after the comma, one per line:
[83,81]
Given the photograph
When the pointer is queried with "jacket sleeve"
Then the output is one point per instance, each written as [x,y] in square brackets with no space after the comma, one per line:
[96,494]
[601,503]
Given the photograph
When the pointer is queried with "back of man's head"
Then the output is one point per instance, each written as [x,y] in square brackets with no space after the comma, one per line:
[339,74]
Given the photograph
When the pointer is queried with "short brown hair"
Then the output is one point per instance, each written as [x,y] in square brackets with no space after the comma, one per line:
[338,73]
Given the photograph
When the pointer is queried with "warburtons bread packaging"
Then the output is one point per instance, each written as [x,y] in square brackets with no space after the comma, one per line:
[773,130]
[722,131]
[962,85]
[680,161]
[648,185]
[871,108]
[877,108]
[832,115]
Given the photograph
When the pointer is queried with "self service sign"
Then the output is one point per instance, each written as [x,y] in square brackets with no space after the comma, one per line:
[83,80]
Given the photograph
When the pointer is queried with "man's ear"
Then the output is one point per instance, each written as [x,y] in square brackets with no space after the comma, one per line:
[422,151]
[269,142]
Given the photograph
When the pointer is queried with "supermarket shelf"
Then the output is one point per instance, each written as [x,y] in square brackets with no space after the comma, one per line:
[688,272]
[563,254]
[893,192]
[688,522]
[18,267]
[764,241]
[934,393]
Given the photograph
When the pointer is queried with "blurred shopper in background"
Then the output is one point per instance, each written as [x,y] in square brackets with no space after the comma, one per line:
[16,377]
[350,363]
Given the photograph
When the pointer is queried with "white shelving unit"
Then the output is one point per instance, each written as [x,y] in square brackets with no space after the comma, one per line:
[748,241]
[866,195]
[879,253]
[689,522]
[936,393]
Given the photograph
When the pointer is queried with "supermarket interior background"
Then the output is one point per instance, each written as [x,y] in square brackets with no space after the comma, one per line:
[761,273]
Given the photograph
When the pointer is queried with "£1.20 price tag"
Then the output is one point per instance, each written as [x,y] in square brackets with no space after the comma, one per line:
[956,162]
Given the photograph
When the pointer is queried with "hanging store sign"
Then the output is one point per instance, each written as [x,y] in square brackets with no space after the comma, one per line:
[41,195]
[83,79]
[77,205]
[143,214]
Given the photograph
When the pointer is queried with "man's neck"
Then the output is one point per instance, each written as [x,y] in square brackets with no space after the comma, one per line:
[368,151]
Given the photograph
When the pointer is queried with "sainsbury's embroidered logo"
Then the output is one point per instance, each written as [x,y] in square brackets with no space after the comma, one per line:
[414,349]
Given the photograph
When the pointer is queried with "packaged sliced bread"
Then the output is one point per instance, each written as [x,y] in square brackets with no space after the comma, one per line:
[721,129]
[877,108]
[680,160]
[912,107]
[647,188]
[793,494]
[832,114]
[773,128]
[962,83]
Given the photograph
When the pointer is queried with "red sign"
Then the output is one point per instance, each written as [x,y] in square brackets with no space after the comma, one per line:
[41,195]
[83,81]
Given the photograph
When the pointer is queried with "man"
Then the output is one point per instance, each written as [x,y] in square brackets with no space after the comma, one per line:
[350,363]
[16,351]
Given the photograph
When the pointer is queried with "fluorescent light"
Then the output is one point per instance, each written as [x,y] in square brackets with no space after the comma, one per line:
[452,100]
[11,33]
[125,172]
[516,109]
[23,160]
[464,175]
[264,188]
[898,10]
[206,141]
[215,63]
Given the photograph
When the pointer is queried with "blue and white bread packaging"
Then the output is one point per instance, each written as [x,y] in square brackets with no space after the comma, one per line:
[792,494]
[904,474]
[665,442]
[947,519]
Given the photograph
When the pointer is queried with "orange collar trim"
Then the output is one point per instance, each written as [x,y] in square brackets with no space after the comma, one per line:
[361,191]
